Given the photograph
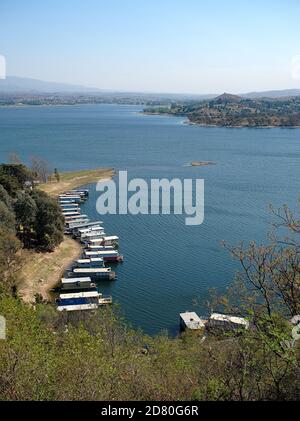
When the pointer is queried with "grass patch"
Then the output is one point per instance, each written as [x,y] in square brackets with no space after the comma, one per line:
[74,179]
[41,271]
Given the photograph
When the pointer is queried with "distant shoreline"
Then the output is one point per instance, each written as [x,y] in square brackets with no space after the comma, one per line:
[60,105]
[192,123]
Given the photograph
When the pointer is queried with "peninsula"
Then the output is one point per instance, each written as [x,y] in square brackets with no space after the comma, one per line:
[235,111]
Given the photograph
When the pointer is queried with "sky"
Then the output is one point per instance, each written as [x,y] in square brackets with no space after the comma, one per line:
[175,46]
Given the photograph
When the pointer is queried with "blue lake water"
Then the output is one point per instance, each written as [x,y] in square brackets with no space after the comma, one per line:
[167,264]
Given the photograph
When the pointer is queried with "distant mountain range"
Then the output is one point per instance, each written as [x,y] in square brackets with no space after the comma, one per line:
[13,84]
[273,94]
[18,85]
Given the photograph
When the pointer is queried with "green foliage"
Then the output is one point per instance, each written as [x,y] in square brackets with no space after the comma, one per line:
[37,217]
[230,110]
[53,356]
[5,198]
[25,210]
[7,217]
[9,261]
[14,176]
[49,222]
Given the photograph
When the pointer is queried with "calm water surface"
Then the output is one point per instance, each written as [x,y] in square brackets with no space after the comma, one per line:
[167,264]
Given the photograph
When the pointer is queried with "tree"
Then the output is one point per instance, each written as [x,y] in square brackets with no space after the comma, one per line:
[10,261]
[267,292]
[56,175]
[7,218]
[5,198]
[25,210]
[40,167]
[9,183]
[49,223]
[13,177]
[270,274]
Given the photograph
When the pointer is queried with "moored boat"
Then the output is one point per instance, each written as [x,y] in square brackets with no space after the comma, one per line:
[77,307]
[75,217]
[112,240]
[105,300]
[96,274]
[71,213]
[108,256]
[67,206]
[89,262]
[89,224]
[77,283]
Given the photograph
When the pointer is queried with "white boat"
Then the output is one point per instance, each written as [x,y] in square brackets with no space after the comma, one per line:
[75,217]
[111,256]
[87,294]
[69,196]
[67,202]
[71,225]
[86,225]
[82,193]
[92,235]
[99,248]
[90,262]
[64,210]
[69,213]
[97,274]
[69,206]
[70,199]
[77,282]
[105,300]
[78,307]
[90,230]
[105,241]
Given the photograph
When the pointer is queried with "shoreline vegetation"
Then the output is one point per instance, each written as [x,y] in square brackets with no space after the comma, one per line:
[75,179]
[232,111]
[42,271]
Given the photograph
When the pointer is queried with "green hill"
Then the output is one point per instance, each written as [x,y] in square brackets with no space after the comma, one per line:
[234,111]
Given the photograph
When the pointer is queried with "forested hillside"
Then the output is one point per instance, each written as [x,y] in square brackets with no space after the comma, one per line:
[234,111]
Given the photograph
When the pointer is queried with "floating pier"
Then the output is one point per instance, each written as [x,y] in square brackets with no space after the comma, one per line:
[191,321]
[226,322]
[216,322]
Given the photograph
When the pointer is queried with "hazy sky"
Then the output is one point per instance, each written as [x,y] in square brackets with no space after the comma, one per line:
[188,46]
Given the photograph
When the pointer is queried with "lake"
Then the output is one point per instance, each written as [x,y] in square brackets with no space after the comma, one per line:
[167,264]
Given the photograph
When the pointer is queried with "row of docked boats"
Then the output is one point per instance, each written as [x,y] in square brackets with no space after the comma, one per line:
[80,294]
[78,290]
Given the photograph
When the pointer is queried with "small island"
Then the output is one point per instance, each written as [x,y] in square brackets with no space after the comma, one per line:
[201,163]
[229,110]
